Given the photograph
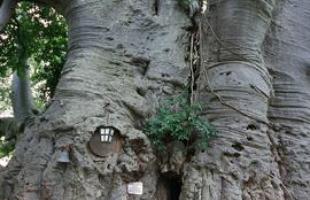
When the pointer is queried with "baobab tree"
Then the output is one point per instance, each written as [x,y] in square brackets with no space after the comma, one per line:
[246,61]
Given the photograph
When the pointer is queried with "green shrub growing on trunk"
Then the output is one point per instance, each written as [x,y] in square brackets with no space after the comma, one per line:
[176,119]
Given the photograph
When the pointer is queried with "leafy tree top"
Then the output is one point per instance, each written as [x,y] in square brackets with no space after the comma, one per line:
[38,35]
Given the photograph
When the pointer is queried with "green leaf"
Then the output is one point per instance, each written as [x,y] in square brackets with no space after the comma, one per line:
[177,120]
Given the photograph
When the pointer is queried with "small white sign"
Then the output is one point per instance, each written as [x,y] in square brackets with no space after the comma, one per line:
[135,188]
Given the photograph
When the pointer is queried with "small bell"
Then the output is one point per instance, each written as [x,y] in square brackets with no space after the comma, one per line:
[63,156]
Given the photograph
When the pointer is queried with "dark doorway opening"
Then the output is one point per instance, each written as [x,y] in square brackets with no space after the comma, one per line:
[175,188]
[169,187]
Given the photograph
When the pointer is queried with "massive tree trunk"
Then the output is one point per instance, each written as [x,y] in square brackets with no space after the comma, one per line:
[288,59]
[124,56]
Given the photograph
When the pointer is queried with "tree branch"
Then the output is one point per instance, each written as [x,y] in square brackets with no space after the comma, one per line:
[6,10]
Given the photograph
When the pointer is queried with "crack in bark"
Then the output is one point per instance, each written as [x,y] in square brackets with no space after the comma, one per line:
[156,7]
[276,151]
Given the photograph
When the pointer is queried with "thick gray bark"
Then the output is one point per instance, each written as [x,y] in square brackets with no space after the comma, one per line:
[287,54]
[6,9]
[21,97]
[126,55]
[123,57]
[262,149]
[236,87]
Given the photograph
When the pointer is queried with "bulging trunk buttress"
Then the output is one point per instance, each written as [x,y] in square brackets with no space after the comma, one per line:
[126,55]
